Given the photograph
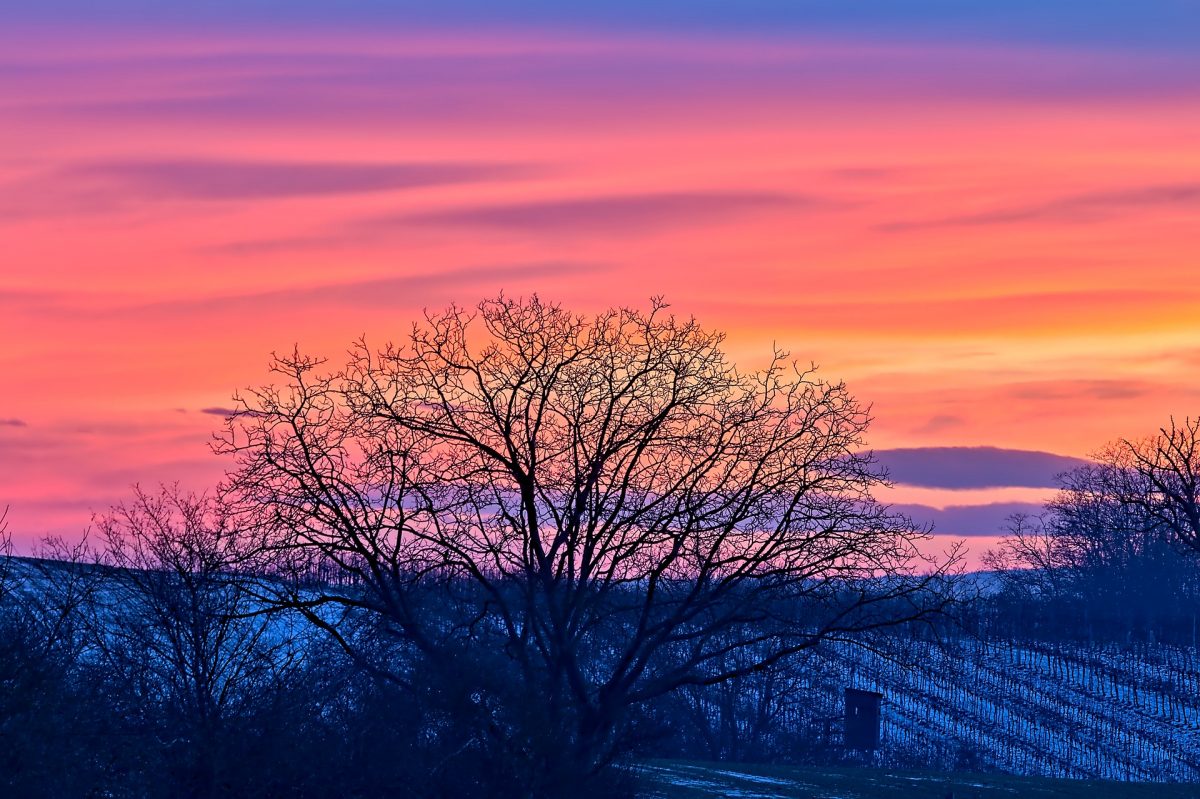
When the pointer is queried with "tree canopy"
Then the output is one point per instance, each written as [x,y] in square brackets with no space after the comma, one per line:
[604,507]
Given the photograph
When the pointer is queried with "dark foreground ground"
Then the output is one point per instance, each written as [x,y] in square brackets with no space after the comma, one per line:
[668,779]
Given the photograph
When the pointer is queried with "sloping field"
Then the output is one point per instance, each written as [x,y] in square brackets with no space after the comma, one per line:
[1059,710]
[665,779]
[1081,712]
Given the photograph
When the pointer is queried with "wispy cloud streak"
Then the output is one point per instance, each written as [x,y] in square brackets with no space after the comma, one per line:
[639,212]
[215,179]
[1074,209]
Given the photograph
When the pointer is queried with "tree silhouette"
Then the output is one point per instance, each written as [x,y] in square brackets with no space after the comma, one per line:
[1166,486]
[596,510]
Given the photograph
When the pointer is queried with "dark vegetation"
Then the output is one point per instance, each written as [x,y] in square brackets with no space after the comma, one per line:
[1115,555]
[520,554]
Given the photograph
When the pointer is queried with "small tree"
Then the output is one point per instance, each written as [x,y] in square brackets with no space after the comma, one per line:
[1035,560]
[601,509]
[187,647]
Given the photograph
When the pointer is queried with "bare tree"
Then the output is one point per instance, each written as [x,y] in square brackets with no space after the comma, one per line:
[604,505]
[1034,559]
[188,645]
[1165,477]
[1105,551]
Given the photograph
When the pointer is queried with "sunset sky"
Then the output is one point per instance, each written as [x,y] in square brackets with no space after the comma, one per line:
[983,216]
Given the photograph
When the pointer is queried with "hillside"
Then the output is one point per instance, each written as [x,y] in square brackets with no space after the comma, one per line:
[1117,712]
[1069,710]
